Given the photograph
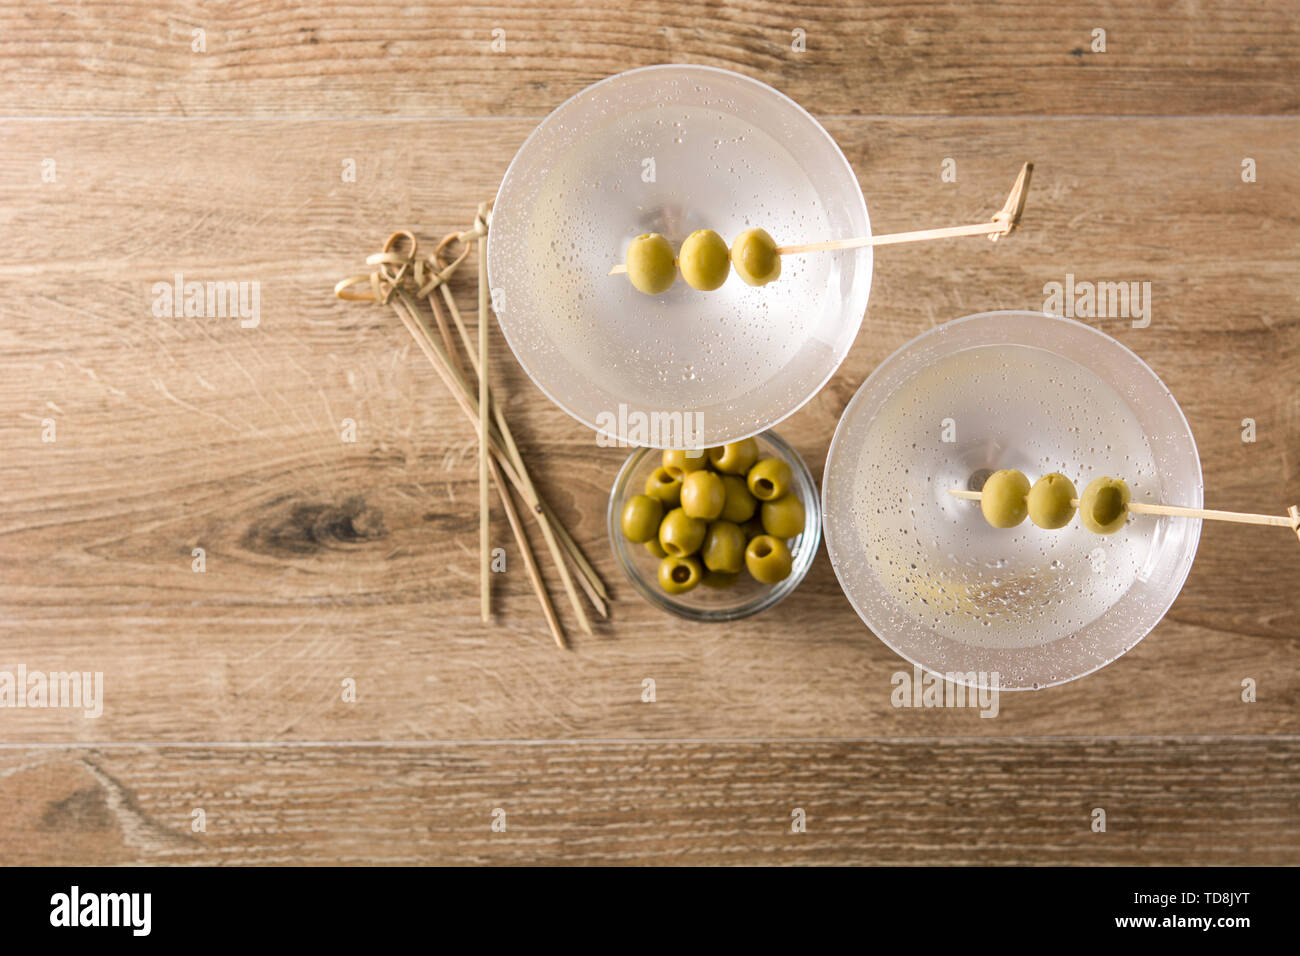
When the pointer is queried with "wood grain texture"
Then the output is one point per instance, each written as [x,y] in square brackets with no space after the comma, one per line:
[333,58]
[328,560]
[945,801]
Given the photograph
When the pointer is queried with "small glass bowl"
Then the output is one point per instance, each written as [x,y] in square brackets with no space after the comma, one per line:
[746,596]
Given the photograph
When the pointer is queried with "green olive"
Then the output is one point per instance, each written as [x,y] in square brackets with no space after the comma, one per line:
[650,263]
[1050,501]
[703,495]
[719,580]
[1103,507]
[681,462]
[680,534]
[655,548]
[753,528]
[768,559]
[724,547]
[664,485]
[1003,498]
[740,504]
[769,479]
[704,260]
[641,517]
[755,257]
[677,575]
[735,458]
[784,517]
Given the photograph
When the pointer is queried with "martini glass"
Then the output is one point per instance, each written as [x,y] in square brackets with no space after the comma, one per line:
[965,600]
[672,149]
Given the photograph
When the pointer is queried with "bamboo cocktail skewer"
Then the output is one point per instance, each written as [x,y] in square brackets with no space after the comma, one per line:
[588,577]
[484,515]
[509,459]
[1291,520]
[530,564]
[456,383]
[528,492]
[1004,221]
[396,268]
[570,545]
[517,475]
[410,319]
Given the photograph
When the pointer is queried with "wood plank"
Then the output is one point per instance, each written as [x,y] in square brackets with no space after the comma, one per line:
[945,801]
[328,560]
[273,57]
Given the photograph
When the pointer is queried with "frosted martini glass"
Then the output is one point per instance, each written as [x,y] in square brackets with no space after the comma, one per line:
[958,597]
[672,149]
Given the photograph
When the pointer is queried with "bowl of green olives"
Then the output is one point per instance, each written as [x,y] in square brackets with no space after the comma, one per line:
[715,534]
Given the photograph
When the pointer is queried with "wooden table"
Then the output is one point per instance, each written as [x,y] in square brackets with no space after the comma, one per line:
[130,155]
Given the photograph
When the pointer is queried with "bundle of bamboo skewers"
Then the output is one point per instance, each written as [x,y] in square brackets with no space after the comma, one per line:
[402,279]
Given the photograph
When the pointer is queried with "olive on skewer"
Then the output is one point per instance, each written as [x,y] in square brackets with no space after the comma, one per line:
[1103,508]
[705,261]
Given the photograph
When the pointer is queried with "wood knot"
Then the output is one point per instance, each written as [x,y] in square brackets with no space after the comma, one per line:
[309,527]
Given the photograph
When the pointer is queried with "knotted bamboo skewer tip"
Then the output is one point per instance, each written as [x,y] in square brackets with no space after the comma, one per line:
[401,277]
[1014,208]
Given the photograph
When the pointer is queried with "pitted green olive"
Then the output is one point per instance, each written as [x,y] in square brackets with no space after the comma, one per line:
[677,575]
[651,265]
[736,458]
[740,504]
[755,258]
[704,260]
[724,547]
[703,495]
[682,462]
[769,479]
[664,485]
[641,517]
[768,559]
[1003,498]
[680,534]
[1050,501]
[1103,508]
[784,517]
